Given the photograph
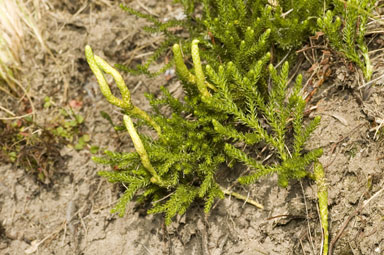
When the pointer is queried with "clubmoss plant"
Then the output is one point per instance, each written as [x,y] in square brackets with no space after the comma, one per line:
[279,111]
[237,31]
[176,168]
[269,121]
[240,97]
[345,27]
[180,165]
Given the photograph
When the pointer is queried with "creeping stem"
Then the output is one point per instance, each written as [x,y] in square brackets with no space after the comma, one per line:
[322,194]
[98,66]
[241,197]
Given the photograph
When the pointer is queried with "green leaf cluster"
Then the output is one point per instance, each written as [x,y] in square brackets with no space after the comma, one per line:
[197,135]
[240,101]
[345,27]
[268,121]
[186,157]
[235,30]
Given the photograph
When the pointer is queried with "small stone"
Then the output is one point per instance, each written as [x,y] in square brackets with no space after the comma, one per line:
[3,245]
[13,234]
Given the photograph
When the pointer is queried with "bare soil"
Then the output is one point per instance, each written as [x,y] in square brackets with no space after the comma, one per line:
[71,213]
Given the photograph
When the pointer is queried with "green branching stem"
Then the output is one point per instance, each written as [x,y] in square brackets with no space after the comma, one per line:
[104,66]
[322,194]
[104,87]
[138,144]
[98,66]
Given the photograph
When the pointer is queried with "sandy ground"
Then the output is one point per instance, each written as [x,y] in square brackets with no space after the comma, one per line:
[71,213]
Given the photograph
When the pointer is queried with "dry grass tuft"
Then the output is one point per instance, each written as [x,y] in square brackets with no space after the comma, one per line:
[11,36]
[15,22]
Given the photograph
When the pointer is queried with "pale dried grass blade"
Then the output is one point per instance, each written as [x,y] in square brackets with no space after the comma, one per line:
[15,21]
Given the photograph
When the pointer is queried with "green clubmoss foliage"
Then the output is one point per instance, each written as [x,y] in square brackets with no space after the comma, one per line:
[174,169]
[236,30]
[345,27]
[269,121]
[237,99]
[180,165]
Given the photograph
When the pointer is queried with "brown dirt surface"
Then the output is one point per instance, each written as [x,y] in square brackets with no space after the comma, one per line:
[70,213]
